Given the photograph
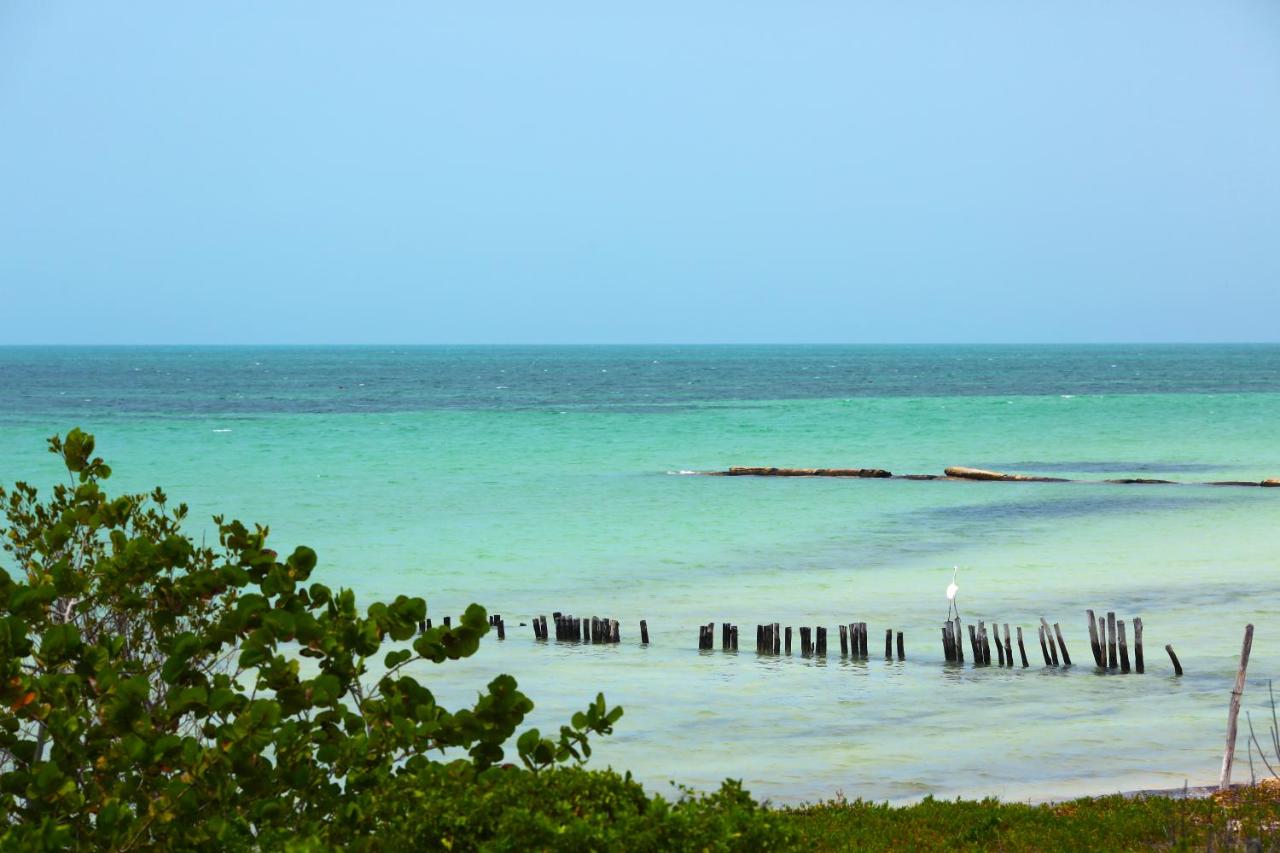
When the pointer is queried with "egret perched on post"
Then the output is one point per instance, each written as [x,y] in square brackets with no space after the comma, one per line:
[952,589]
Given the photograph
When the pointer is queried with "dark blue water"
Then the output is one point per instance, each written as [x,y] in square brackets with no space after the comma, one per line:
[191,381]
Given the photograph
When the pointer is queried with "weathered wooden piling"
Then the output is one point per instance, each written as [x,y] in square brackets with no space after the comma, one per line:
[902,652]
[1233,710]
[1048,635]
[617,631]
[448,618]
[1022,650]
[777,638]
[702,637]
[888,644]
[724,635]
[788,639]
[999,648]
[644,633]
[958,633]
[759,638]
[1124,646]
[844,641]
[733,636]
[948,642]
[502,629]
[1137,645]
[1062,644]
[862,639]
[806,644]
[1111,640]
[1044,650]
[1093,639]
[973,645]
[822,641]
[1008,647]
[1177,667]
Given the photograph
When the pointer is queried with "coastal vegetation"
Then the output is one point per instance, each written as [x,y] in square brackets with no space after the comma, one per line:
[160,693]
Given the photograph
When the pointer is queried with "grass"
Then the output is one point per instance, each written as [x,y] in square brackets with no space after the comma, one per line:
[1244,819]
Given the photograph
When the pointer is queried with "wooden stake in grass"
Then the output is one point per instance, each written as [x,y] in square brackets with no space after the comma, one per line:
[1234,710]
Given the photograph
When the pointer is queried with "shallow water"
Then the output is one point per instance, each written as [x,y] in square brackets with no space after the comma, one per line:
[542,479]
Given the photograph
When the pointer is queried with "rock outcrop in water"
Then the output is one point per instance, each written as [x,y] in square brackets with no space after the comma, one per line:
[959,472]
[747,471]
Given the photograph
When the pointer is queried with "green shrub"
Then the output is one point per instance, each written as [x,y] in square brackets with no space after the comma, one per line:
[456,807]
[153,691]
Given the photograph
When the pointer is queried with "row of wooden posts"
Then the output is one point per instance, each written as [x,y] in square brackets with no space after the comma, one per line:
[581,630]
[495,622]
[1108,639]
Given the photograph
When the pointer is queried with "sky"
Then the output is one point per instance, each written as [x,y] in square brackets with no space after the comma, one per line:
[560,172]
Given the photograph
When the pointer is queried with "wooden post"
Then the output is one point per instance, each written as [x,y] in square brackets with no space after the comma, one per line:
[973,644]
[644,633]
[1137,645]
[447,618]
[844,641]
[1111,639]
[1234,710]
[1022,650]
[888,644]
[804,641]
[999,648]
[1093,638]
[1124,646]
[788,639]
[822,641]
[1062,645]
[984,649]
[959,635]
[502,629]
[862,633]
[759,638]
[1102,640]
[1008,647]
[766,642]
[1044,650]
[617,631]
[946,641]
[902,654]
[733,636]
[724,635]
[702,637]
[777,640]
[1177,667]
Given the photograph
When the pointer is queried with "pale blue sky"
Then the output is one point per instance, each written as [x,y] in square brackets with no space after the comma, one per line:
[415,172]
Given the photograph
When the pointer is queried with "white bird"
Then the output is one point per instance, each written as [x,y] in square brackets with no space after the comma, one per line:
[952,588]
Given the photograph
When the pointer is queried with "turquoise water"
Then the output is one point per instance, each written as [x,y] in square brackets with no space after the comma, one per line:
[534,480]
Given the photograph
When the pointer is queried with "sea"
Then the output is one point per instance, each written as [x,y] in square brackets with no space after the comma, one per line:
[541,479]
